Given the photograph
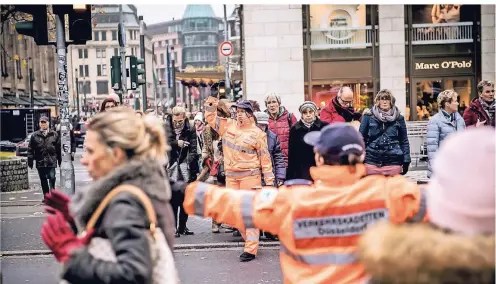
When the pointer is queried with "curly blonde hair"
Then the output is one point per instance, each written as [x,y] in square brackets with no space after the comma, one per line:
[446,96]
[141,138]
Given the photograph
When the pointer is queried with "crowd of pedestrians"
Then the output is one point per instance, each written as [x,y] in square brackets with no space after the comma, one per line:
[341,171]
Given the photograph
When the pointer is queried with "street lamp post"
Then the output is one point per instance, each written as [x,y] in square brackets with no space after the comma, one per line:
[77,94]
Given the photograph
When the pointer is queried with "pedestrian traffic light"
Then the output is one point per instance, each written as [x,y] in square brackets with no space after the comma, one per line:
[237,89]
[135,72]
[115,72]
[37,28]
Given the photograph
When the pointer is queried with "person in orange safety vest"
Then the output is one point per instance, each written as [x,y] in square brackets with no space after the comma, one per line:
[318,224]
[246,157]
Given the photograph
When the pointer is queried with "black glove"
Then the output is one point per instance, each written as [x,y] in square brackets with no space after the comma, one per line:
[72,156]
[59,161]
[405,168]
[30,163]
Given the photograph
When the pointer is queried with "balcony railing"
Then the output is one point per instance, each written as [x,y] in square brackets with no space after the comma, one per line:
[445,33]
[341,37]
[200,59]
[200,29]
[199,44]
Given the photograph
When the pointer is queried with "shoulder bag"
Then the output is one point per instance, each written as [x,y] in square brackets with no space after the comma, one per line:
[164,269]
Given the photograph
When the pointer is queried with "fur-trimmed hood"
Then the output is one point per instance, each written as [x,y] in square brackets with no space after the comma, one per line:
[148,175]
[420,253]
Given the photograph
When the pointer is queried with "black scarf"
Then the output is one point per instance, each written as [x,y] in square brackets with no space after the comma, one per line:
[348,113]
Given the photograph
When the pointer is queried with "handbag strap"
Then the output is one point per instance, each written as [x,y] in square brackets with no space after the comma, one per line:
[137,192]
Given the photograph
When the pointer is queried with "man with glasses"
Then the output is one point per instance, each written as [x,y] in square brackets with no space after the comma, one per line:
[340,108]
[44,147]
[481,110]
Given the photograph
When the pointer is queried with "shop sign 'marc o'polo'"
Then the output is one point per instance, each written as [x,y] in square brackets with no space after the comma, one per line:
[443,66]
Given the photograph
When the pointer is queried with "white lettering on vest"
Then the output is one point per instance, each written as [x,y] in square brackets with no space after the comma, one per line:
[336,226]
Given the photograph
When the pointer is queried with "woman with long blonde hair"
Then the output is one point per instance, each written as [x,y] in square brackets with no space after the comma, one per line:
[125,154]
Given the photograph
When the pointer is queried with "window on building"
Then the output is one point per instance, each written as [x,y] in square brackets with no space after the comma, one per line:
[83,71]
[102,87]
[162,59]
[116,52]
[104,35]
[132,51]
[96,36]
[162,43]
[84,87]
[83,53]
[114,35]
[101,70]
[175,56]
[101,53]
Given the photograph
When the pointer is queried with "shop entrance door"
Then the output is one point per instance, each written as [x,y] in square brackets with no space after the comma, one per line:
[423,102]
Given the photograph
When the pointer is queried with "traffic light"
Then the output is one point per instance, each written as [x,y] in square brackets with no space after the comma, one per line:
[135,72]
[38,27]
[237,90]
[115,72]
[80,29]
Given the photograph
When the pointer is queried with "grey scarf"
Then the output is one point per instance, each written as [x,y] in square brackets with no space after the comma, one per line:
[386,116]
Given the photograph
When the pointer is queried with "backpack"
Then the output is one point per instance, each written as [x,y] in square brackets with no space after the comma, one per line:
[290,122]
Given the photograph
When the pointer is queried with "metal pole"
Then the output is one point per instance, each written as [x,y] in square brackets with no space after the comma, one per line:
[123,54]
[226,38]
[142,55]
[31,80]
[173,76]
[67,178]
[84,98]
[77,95]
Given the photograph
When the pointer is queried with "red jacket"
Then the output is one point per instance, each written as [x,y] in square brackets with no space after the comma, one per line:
[330,115]
[281,126]
[474,112]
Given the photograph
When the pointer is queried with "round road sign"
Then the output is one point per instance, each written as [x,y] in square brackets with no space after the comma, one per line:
[226,48]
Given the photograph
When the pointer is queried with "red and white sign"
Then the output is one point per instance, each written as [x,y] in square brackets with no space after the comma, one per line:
[226,48]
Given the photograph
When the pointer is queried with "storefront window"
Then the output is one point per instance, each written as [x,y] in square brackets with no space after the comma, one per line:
[363,94]
[427,91]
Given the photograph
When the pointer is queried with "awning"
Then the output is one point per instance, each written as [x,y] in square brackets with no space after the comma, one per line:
[8,100]
[207,76]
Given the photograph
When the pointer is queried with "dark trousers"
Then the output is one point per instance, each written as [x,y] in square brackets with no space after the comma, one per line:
[177,206]
[47,175]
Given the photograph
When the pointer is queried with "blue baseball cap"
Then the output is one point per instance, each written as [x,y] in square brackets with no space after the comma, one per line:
[336,140]
[246,105]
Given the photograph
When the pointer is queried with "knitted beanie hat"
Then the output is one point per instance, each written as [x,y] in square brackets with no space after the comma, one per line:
[460,196]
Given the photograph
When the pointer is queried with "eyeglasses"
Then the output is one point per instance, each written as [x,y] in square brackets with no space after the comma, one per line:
[345,103]
[385,98]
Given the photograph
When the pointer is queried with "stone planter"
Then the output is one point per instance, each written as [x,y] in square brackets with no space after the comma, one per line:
[14,174]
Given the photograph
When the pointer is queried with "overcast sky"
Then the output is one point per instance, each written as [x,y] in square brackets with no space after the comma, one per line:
[153,13]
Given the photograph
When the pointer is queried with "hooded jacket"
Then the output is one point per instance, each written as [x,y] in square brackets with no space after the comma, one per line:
[420,253]
[278,165]
[124,223]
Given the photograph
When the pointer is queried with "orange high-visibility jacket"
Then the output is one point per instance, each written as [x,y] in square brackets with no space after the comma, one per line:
[245,148]
[318,225]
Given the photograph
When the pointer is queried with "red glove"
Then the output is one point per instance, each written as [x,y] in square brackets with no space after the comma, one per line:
[59,237]
[57,201]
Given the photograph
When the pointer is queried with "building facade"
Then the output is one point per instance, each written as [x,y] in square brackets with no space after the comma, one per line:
[200,36]
[18,55]
[166,35]
[308,52]
[90,63]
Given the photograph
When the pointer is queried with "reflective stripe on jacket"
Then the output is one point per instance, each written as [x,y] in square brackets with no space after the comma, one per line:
[318,225]
[245,148]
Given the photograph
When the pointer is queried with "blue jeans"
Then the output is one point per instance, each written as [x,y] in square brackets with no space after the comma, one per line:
[47,175]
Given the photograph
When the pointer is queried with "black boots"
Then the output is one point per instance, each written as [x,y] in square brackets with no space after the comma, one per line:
[246,256]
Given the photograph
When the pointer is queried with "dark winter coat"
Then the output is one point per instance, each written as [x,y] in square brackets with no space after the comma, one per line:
[124,223]
[386,143]
[281,126]
[45,150]
[301,155]
[476,111]
[278,165]
[420,253]
[188,154]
